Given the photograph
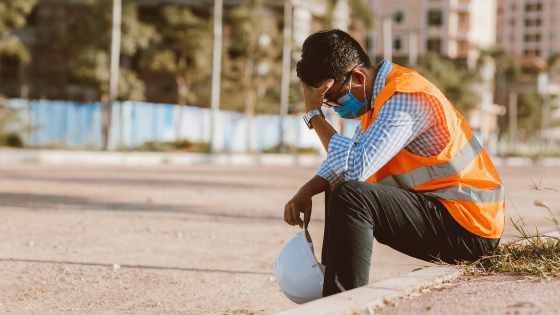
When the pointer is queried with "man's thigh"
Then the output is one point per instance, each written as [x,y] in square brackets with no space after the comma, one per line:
[412,223]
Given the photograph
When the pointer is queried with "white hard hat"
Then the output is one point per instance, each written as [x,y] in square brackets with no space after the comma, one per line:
[298,272]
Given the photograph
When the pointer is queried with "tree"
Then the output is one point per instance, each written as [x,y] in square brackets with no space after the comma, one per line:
[529,109]
[189,58]
[13,15]
[90,36]
[253,63]
[457,84]
[359,9]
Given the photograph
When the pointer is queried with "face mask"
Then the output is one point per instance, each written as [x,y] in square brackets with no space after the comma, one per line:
[351,107]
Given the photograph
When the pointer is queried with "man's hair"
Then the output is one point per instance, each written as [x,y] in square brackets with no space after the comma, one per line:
[329,55]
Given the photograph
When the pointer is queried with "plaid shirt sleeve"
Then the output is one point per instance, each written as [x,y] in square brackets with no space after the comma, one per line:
[402,118]
[327,172]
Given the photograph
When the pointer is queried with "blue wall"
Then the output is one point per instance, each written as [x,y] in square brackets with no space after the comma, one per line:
[79,125]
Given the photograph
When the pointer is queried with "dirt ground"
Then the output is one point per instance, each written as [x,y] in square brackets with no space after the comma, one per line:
[499,295]
[188,240]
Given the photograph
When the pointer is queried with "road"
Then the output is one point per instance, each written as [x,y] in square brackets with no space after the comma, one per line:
[189,240]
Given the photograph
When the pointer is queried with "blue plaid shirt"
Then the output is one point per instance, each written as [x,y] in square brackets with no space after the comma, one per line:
[411,121]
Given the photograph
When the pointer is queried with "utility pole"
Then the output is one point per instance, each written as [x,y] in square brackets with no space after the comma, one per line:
[512,121]
[387,38]
[216,72]
[542,85]
[412,47]
[286,71]
[114,79]
[371,34]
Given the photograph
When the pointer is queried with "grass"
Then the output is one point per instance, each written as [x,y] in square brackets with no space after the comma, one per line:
[532,254]
[537,255]
[175,146]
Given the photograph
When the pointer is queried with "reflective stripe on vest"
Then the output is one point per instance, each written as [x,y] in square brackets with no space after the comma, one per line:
[469,194]
[427,173]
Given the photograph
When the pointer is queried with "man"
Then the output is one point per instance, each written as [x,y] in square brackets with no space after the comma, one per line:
[413,176]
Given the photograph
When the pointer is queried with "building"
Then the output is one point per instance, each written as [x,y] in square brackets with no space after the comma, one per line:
[529,27]
[456,29]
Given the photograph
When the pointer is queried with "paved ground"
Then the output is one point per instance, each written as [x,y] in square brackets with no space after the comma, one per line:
[206,237]
[501,294]
[202,239]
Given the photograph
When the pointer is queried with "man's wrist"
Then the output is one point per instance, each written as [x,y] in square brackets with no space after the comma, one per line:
[315,118]
[310,115]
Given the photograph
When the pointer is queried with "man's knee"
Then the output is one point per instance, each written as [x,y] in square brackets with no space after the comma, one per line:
[345,189]
[355,189]
[356,194]
[347,194]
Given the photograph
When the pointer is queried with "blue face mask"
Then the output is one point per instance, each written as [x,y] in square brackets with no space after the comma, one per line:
[351,107]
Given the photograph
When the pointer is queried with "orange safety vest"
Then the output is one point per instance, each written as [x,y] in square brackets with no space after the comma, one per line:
[462,176]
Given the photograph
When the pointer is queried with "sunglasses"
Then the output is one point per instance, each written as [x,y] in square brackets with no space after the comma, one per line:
[348,79]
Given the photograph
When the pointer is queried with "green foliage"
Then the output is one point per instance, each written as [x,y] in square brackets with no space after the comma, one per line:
[359,9]
[529,108]
[13,140]
[502,58]
[291,149]
[8,116]
[252,65]
[13,15]
[189,59]
[175,146]
[90,36]
[552,60]
[456,83]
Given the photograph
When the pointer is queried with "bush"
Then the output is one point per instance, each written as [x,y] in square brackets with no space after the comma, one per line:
[180,145]
[11,139]
[291,149]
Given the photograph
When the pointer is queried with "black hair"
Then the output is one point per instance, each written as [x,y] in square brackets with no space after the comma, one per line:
[329,55]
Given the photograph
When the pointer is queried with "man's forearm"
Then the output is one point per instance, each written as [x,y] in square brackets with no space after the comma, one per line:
[324,130]
[316,185]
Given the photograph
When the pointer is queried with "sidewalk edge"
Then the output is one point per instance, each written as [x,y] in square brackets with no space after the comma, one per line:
[370,298]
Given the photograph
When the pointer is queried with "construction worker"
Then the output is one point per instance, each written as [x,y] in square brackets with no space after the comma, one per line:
[413,176]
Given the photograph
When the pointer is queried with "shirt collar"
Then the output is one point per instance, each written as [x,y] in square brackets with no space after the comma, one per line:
[386,67]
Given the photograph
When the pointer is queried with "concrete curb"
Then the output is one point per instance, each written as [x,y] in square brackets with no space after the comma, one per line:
[368,299]
[158,158]
[10,156]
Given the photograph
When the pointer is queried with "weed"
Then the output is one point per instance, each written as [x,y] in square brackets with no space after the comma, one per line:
[532,254]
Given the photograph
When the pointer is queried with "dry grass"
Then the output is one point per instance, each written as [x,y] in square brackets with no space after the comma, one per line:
[532,254]
[538,256]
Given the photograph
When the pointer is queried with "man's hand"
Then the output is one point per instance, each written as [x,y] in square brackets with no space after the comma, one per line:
[313,97]
[301,202]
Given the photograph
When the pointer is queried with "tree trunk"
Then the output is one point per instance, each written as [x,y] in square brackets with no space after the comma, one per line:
[182,92]
[249,98]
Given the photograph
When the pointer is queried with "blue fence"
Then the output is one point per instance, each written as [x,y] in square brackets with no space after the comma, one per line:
[79,125]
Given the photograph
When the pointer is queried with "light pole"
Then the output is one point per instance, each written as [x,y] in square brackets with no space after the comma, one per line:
[216,72]
[387,38]
[286,70]
[114,78]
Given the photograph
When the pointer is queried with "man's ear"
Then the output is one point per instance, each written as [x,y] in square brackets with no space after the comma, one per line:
[359,77]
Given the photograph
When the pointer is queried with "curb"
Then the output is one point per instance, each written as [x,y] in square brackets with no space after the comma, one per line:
[114,158]
[369,298]
[11,156]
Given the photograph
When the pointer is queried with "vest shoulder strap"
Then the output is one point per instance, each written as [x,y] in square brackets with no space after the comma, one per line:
[403,80]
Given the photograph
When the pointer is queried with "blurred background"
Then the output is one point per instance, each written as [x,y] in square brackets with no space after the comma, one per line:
[213,76]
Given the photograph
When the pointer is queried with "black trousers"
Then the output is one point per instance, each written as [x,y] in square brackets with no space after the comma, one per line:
[411,223]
